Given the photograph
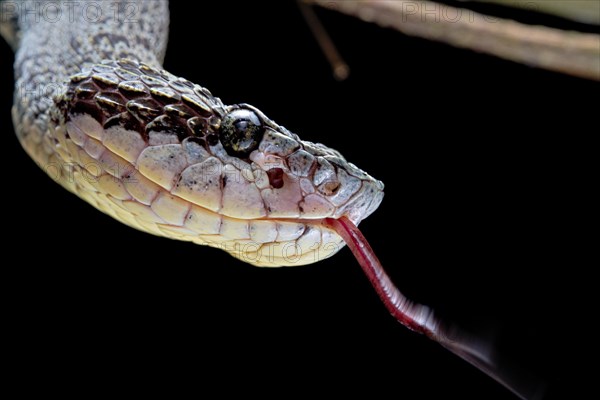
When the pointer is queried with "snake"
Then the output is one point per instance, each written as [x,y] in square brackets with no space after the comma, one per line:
[96,111]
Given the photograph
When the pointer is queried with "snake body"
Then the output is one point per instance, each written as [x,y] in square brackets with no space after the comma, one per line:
[94,108]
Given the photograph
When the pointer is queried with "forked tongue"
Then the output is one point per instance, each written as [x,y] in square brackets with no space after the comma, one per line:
[420,318]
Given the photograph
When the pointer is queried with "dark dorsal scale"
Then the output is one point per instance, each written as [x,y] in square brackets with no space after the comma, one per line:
[142,98]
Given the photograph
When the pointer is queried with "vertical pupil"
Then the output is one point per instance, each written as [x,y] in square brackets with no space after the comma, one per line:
[241,125]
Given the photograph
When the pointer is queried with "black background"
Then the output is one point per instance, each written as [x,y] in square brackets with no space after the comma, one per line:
[484,219]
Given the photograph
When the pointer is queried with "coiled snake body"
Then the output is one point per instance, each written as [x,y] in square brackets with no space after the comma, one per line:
[95,110]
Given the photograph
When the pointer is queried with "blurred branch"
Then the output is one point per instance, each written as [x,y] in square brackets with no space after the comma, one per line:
[569,52]
[585,11]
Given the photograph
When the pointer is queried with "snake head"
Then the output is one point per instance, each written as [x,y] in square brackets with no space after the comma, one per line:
[167,157]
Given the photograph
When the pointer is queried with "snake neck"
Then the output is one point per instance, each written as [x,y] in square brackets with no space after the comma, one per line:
[55,40]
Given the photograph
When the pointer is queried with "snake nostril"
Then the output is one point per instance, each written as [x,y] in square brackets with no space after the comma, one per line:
[276,177]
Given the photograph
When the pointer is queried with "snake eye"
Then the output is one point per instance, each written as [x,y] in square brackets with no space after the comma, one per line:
[241,132]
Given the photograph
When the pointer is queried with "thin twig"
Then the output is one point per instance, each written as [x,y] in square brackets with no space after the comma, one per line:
[338,65]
